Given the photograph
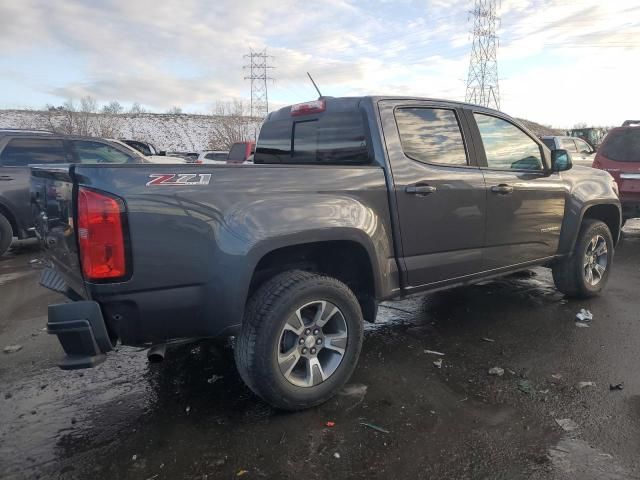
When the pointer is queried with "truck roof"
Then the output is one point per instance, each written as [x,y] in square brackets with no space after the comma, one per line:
[347,103]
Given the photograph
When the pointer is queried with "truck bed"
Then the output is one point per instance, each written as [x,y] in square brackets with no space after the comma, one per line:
[195,234]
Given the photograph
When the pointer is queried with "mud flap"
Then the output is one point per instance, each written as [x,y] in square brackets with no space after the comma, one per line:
[82,333]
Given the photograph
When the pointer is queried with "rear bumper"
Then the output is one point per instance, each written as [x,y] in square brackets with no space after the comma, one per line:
[82,333]
[87,329]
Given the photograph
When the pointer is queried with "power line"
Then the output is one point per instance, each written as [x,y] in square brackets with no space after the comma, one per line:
[258,67]
[482,80]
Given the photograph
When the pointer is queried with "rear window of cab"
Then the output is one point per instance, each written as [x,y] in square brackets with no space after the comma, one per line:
[332,138]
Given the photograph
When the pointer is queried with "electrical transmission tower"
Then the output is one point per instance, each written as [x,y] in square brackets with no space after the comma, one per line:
[482,80]
[258,67]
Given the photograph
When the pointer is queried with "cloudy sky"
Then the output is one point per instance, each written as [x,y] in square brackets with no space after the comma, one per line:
[561,61]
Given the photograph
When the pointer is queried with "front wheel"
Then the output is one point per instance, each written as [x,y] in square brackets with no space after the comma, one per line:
[586,272]
[300,339]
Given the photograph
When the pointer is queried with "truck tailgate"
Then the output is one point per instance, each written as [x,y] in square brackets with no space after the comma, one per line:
[52,202]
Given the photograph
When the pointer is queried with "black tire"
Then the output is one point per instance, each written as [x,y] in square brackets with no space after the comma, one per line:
[259,342]
[569,274]
[6,234]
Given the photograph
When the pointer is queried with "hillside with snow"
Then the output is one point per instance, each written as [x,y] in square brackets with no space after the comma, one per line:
[170,132]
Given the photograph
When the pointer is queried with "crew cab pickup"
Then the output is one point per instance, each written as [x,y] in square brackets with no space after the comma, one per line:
[351,201]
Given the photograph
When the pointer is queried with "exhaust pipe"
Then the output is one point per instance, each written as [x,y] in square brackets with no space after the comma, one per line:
[156,353]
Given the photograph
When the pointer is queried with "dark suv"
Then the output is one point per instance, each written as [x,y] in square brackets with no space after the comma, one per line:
[21,148]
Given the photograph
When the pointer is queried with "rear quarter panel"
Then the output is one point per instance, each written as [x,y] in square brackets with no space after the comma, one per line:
[194,248]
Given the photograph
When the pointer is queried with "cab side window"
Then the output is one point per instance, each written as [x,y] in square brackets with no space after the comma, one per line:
[506,146]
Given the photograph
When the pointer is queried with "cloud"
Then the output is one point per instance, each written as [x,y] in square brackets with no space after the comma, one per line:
[190,52]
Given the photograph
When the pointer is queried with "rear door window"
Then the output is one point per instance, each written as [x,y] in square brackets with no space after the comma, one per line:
[506,146]
[97,152]
[431,135]
[21,152]
[622,145]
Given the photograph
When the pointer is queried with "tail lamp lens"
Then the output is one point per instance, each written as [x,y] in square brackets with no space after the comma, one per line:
[100,235]
[316,106]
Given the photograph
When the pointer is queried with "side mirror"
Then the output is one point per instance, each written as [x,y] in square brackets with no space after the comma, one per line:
[560,160]
[162,153]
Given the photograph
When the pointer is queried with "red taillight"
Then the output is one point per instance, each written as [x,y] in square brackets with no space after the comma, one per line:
[198,161]
[317,106]
[100,235]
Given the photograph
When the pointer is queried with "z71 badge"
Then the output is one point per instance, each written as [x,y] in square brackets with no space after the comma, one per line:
[171,179]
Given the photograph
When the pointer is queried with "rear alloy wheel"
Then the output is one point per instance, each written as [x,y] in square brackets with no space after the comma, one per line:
[6,234]
[586,272]
[300,339]
[312,343]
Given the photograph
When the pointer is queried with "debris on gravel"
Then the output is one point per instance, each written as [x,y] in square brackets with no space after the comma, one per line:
[525,386]
[374,427]
[433,352]
[584,315]
[567,424]
[12,348]
[497,371]
[581,385]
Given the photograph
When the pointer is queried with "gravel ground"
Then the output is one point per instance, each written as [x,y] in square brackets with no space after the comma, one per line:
[401,416]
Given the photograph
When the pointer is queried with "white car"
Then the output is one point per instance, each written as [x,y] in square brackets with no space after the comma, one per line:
[212,156]
[581,152]
[152,158]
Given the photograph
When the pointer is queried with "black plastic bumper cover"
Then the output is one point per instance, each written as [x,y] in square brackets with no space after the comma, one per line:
[82,333]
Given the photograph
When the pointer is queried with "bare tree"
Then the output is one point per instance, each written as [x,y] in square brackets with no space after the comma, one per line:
[136,109]
[175,111]
[232,125]
[108,123]
[83,116]
[113,108]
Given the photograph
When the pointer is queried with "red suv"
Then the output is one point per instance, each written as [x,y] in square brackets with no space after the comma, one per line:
[619,155]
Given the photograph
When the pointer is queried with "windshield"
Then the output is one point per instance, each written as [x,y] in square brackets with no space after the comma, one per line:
[622,145]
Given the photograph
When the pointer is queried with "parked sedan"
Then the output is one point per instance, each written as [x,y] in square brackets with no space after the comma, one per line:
[581,152]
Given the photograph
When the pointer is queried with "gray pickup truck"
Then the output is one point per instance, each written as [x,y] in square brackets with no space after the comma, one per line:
[351,201]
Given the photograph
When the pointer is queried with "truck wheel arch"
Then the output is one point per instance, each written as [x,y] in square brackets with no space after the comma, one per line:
[9,216]
[347,260]
[609,213]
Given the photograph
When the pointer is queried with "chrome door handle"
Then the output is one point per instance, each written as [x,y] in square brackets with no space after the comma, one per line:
[420,189]
[502,189]
[5,178]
